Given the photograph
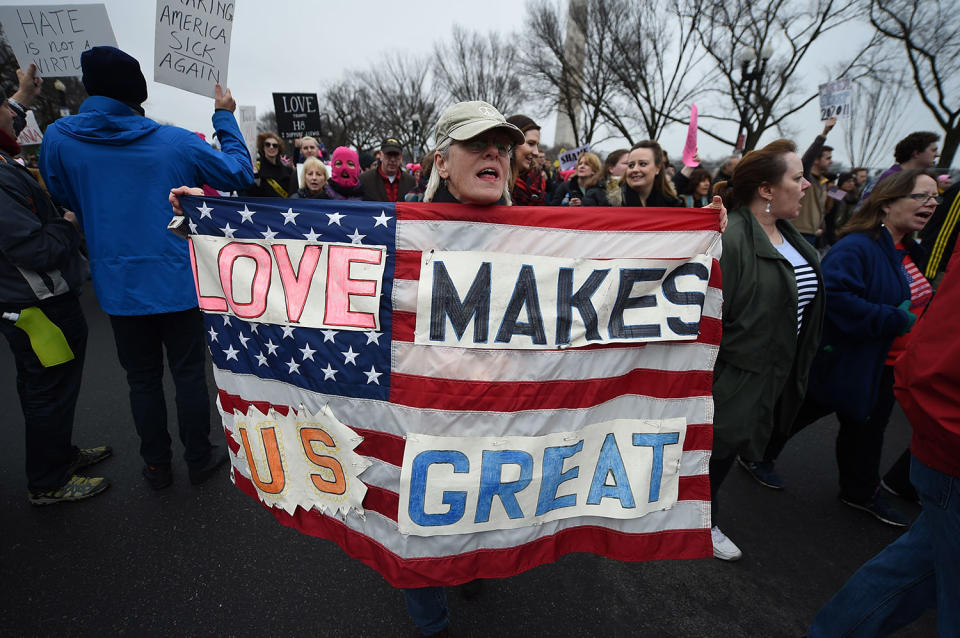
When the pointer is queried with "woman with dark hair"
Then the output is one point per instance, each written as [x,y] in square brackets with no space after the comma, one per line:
[272,178]
[772,313]
[643,184]
[571,192]
[696,193]
[613,169]
[874,294]
[527,183]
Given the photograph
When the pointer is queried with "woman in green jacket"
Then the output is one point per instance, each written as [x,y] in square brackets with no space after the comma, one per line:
[772,313]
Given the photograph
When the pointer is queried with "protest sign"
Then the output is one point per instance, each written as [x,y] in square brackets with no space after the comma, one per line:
[192,46]
[31,132]
[836,99]
[247,120]
[568,159]
[440,461]
[690,147]
[54,36]
[298,115]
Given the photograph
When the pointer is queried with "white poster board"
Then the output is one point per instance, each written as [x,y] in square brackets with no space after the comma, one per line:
[54,36]
[836,99]
[192,46]
[247,120]
[31,133]
[568,159]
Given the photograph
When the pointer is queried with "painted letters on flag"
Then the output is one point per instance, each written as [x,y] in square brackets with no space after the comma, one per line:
[367,399]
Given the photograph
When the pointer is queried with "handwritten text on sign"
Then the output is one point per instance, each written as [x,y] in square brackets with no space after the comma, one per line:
[836,99]
[617,469]
[290,282]
[495,300]
[53,37]
[192,46]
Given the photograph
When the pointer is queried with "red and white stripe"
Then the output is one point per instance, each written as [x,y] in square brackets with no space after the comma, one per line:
[448,391]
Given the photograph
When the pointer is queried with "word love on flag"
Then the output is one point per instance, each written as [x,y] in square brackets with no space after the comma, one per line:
[533,298]
[273,281]
[620,469]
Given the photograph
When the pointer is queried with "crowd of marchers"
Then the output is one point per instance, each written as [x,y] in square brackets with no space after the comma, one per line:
[836,293]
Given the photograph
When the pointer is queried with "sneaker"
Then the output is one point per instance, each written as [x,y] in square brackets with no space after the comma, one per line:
[907,492]
[158,476]
[75,489]
[90,455]
[218,456]
[762,472]
[879,507]
[723,547]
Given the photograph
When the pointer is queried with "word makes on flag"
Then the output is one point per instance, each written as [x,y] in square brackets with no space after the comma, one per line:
[451,392]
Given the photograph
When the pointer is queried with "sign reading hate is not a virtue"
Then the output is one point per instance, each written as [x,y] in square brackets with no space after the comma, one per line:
[192,45]
[54,36]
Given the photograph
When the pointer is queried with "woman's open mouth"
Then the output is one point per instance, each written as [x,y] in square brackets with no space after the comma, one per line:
[489,174]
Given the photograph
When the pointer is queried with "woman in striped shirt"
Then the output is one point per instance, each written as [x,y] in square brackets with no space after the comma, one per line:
[875,293]
[772,312]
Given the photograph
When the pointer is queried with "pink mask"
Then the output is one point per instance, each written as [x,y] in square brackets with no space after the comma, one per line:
[345,167]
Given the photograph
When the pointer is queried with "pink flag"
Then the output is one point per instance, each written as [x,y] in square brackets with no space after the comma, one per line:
[690,148]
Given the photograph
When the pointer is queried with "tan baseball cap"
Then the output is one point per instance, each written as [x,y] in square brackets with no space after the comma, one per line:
[466,120]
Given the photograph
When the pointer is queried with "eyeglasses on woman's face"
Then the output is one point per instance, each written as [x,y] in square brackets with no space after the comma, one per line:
[480,145]
[271,144]
[923,198]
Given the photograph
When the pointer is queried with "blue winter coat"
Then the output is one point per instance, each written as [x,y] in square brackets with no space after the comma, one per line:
[115,169]
[865,282]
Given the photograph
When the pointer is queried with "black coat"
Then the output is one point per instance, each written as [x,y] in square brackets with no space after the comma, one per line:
[571,187]
[283,175]
[373,190]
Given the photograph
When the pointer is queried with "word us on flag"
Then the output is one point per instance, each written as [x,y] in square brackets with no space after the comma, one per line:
[452,392]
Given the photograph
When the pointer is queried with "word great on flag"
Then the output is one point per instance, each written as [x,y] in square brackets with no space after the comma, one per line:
[191,48]
[54,36]
[440,461]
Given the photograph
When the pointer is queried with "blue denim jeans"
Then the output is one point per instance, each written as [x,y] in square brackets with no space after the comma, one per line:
[919,570]
[428,608]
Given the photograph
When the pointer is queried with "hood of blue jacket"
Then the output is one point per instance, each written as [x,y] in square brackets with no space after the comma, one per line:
[103,120]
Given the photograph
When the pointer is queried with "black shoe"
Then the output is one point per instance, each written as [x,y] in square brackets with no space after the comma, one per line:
[762,472]
[88,456]
[879,507]
[907,492]
[158,476]
[218,456]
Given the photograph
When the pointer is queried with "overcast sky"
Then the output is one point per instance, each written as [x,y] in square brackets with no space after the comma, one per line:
[325,40]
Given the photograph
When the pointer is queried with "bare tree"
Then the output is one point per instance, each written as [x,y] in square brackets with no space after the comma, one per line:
[578,86]
[349,119]
[403,102]
[782,32]
[878,108]
[471,66]
[929,33]
[267,122]
[655,51]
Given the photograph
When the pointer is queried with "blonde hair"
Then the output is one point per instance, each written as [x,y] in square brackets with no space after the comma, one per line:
[312,162]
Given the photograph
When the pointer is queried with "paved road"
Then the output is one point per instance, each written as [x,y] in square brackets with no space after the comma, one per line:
[207,560]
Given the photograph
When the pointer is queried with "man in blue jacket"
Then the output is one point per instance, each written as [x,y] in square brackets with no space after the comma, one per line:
[114,168]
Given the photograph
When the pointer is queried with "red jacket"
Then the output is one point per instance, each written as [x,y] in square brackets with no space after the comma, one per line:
[928,378]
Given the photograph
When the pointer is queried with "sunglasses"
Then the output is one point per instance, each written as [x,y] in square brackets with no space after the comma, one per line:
[923,198]
[479,146]
[271,145]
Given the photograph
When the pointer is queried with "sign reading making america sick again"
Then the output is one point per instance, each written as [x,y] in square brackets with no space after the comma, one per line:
[452,392]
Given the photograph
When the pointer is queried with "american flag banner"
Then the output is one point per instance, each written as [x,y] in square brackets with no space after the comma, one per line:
[452,392]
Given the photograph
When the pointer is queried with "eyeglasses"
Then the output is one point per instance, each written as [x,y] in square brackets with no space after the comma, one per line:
[271,145]
[923,198]
[479,146]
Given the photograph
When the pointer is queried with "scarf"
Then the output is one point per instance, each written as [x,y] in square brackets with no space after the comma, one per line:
[529,189]
[8,144]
